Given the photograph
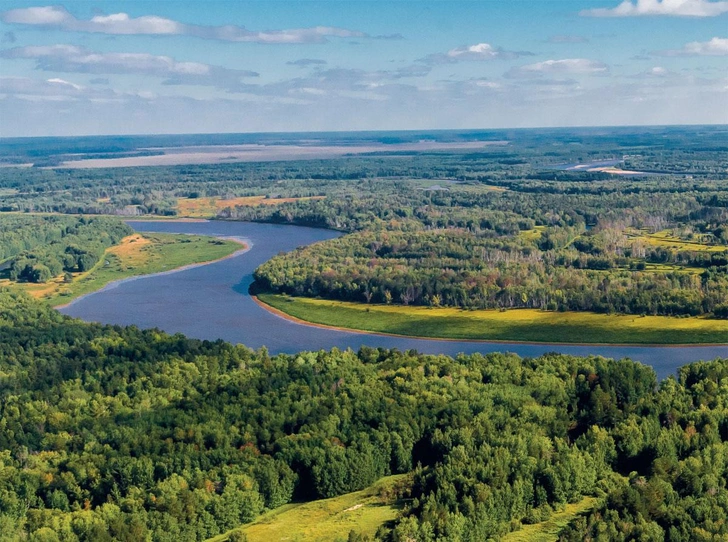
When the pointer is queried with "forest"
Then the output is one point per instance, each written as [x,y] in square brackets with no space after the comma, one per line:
[37,248]
[641,250]
[113,433]
[453,268]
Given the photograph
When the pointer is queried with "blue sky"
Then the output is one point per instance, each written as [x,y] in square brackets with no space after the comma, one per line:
[180,67]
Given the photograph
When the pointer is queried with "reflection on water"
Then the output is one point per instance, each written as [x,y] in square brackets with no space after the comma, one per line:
[212,302]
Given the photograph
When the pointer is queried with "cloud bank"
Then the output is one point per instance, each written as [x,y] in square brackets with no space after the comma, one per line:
[340,101]
[714,47]
[60,18]
[675,8]
[74,59]
[55,89]
[566,66]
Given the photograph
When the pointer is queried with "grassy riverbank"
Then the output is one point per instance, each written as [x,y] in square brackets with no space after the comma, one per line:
[325,520]
[135,255]
[524,325]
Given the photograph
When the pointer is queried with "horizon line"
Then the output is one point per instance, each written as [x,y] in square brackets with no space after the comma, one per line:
[374,131]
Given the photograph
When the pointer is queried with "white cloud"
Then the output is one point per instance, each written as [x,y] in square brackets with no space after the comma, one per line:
[713,47]
[64,58]
[313,91]
[570,66]
[675,8]
[122,24]
[476,52]
[54,89]
[58,81]
[479,51]
[48,15]
[75,59]
[656,73]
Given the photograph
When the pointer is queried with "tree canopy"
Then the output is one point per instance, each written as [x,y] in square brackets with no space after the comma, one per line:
[113,433]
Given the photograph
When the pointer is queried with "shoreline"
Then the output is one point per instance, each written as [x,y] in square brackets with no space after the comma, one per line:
[246,247]
[281,314]
[154,218]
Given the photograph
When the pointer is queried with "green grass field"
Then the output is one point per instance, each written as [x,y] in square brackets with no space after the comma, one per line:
[548,531]
[666,239]
[532,235]
[528,325]
[325,520]
[135,255]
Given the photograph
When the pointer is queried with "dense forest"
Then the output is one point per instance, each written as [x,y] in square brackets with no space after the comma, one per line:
[653,247]
[112,433]
[38,248]
[454,268]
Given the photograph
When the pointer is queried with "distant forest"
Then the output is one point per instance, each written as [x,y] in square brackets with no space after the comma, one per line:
[500,227]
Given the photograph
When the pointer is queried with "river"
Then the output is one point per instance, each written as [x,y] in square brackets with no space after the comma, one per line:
[212,302]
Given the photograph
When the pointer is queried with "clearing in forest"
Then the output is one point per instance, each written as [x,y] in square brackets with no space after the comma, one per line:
[667,239]
[210,207]
[548,531]
[325,520]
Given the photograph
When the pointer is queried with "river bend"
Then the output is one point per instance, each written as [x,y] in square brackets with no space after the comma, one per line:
[211,302]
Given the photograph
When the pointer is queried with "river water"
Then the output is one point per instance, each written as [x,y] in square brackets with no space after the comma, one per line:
[212,302]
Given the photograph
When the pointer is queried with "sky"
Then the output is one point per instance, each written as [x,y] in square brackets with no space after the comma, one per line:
[132,67]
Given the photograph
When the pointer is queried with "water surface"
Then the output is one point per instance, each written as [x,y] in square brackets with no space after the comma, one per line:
[212,302]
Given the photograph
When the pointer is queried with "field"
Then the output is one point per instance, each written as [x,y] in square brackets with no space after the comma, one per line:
[364,511]
[424,184]
[666,239]
[209,207]
[548,531]
[518,325]
[615,171]
[325,520]
[135,255]
[532,235]
[221,154]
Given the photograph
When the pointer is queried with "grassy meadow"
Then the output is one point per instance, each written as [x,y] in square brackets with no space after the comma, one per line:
[210,207]
[526,325]
[325,520]
[135,255]
[548,531]
[667,239]
[331,520]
